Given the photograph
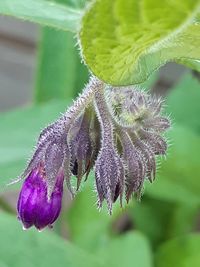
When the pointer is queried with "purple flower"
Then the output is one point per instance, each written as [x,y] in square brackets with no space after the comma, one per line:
[34,207]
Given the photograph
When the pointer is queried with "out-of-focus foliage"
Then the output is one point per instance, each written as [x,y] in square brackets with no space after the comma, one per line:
[127,250]
[92,231]
[180,172]
[28,249]
[180,252]
[43,12]
[183,103]
[60,74]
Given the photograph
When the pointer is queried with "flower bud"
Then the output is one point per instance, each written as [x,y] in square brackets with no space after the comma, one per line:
[135,166]
[159,124]
[53,161]
[81,147]
[155,141]
[34,207]
[148,156]
[109,173]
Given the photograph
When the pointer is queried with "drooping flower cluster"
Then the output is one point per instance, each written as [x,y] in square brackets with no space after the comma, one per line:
[118,131]
[139,128]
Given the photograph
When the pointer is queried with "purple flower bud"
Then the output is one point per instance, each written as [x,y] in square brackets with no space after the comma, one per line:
[155,141]
[148,155]
[159,124]
[53,161]
[109,173]
[81,147]
[135,166]
[33,206]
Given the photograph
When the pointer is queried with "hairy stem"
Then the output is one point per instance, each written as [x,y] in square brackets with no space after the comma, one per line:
[104,116]
[81,102]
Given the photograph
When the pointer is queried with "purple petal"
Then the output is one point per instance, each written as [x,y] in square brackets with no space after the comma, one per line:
[34,208]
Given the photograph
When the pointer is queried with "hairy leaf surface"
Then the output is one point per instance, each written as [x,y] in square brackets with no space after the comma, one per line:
[123,42]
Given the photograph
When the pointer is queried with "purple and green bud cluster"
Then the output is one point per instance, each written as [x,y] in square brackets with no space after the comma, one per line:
[116,131]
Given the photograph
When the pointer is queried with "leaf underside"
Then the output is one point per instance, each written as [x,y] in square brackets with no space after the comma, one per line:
[123,42]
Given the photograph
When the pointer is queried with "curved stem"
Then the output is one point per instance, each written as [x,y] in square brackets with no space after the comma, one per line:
[104,116]
[81,102]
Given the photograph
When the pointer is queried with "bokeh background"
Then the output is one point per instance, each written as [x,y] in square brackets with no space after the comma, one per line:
[40,73]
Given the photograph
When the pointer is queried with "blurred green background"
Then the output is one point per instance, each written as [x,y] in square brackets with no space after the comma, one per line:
[162,230]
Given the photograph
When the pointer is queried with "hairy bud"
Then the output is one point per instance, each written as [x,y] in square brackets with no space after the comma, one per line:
[135,166]
[109,173]
[140,125]
[81,148]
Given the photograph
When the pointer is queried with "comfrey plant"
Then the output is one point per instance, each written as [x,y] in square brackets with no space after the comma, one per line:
[116,131]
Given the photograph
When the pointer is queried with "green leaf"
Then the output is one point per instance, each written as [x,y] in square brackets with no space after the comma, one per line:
[151,217]
[160,220]
[179,175]
[60,75]
[123,42]
[93,230]
[183,102]
[43,12]
[32,248]
[179,252]
[178,178]
[183,219]
[128,250]
[193,64]
[19,132]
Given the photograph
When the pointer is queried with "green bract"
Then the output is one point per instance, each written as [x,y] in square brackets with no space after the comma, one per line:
[123,42]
